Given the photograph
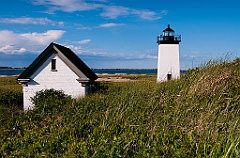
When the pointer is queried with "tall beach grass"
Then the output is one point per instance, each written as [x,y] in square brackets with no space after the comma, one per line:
[195,116]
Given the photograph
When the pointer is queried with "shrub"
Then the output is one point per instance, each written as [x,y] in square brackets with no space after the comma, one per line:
[50,100]
[10,98]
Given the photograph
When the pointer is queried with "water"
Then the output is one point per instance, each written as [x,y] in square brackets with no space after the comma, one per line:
[126,71]
[99,71]
[11,71]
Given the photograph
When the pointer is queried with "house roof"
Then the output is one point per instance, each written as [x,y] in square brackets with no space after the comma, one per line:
[70,58]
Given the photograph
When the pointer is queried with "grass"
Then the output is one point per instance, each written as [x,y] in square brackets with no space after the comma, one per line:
[195,116]
[10,98]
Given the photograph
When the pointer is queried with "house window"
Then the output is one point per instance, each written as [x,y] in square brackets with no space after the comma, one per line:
[53,64]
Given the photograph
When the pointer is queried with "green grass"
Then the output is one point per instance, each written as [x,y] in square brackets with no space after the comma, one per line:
[195,116]
[10,98]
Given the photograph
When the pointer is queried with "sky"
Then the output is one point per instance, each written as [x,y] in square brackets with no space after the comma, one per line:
[119,33]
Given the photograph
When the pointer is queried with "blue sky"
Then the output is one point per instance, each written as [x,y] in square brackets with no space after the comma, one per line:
[118,33]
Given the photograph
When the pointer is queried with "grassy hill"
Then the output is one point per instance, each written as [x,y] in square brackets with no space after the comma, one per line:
[195,116]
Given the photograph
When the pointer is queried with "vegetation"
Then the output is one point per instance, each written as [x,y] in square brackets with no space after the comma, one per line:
[10,98]
[195,116]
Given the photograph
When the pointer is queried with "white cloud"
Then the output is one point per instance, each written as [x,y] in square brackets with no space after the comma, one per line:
[29,20]
[61,23]
[147,56]
[43,38]
[81,27]
[15,43]
[109,11]
[164,12]
[84,28]
[110,25]
[68,5]
[88,51]
[85,41]
[8,49]
[75,49]
[146,15]
[112,12]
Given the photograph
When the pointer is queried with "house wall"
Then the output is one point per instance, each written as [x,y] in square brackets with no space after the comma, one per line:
[44,78]
[168,61]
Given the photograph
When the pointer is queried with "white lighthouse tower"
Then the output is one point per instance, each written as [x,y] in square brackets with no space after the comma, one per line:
[168,55]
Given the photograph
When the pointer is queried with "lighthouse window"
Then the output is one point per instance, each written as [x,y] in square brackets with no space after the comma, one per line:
[53,64]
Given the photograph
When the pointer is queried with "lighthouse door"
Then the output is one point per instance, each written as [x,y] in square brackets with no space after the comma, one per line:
[169,76]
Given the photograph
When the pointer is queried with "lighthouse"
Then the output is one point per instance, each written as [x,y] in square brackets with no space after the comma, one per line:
[168,55]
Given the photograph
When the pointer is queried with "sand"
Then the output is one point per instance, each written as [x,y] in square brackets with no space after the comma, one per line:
[102,77]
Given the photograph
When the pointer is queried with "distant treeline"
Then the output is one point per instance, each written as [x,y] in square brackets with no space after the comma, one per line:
[96,69]
[123,69]
[4,67]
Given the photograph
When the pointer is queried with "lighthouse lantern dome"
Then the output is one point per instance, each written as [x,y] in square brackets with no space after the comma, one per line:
[168,37]
[168,31]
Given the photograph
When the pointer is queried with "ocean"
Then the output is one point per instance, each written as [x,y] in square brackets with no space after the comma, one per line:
[125,71]
[99,71]
[10,71]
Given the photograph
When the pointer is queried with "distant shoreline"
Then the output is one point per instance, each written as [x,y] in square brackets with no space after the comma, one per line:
[8,75]
[10,68]
[17,71]
[2,68]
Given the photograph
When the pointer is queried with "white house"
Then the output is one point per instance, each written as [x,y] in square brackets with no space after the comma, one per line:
[168,55]
[59,68]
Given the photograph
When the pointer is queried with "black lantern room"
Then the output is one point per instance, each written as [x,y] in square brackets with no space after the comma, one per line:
[168,37]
